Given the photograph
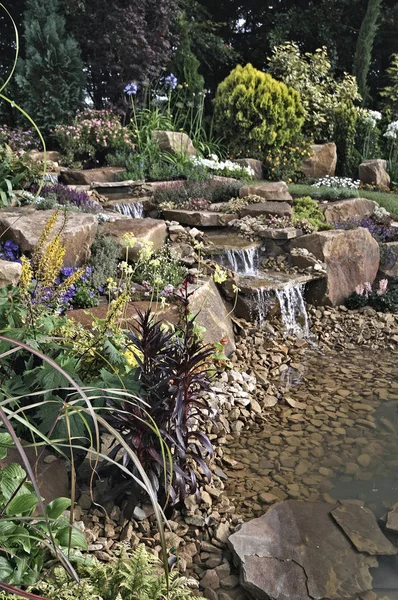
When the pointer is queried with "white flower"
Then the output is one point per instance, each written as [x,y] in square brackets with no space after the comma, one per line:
[392,130]
[337,182]
[213,163]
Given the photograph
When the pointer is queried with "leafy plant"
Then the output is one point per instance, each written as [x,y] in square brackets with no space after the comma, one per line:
[105,255]
[308,216]
[172,371]
[139,576]
[62,195]
[382,299]
[16,172]
[212,191]
[254,112]
[25,540]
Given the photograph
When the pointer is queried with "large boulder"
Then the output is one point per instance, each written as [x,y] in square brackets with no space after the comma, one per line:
[276,191]
[10,273]
[278,209]
[351,258]
[24,226]
[89,176]
[322,161]
[175,142]
[203,218]
[355,208]
[255,165]
[297,550]
[206,301]
[374,172]
[150,230]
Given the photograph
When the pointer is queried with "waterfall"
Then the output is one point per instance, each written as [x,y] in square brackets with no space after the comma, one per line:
[131,209]
[293,310]
[243,262]
[292,305]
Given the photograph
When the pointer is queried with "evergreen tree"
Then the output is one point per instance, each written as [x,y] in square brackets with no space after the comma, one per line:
[390,92]
[364,47]
[51,77]
[185,64]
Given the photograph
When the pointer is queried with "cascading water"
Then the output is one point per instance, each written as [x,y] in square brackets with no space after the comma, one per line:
[131,209]
[293,310]
[292,305]
[243,262]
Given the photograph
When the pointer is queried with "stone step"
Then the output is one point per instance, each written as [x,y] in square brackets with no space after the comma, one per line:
[204,218]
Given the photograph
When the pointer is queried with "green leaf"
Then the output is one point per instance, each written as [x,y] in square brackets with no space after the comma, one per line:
[22,504]
[55,508]
[5,569]
[78,539]
[22,537]
[6,528]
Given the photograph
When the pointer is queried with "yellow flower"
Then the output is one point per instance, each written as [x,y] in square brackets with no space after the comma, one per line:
[129,240]
[26,277]
[146,250]
[220,274]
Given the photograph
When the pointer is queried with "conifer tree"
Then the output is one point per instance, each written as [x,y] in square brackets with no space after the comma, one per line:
[364,47]
[51,76]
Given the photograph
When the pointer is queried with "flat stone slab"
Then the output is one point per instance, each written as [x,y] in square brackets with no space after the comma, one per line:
[279,209]
[24,226]
[228,239]
[194,218]
[360,526]
[270,281]
[392,519]
[296,551]
[287,233]
[88,176]
[276,191]
[152,230]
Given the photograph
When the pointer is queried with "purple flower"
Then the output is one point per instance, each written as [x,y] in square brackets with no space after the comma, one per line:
[131,89]
[171,81]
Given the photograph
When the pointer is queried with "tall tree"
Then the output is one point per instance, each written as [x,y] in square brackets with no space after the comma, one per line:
[7,55]
[51,76]
[121,41]
[364,47]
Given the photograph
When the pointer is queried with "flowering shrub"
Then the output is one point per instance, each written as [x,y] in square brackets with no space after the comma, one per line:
[92,135]
[380,298]
[381,231]
[224,168]
[19,139]
[282,163]
[337,183]
[62,195]
[197,204]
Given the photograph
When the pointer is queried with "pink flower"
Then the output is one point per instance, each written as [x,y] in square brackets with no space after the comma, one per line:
[383,283]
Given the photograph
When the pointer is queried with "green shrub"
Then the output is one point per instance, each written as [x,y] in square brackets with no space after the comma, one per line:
[321,94]
[308,216]
[105,255]
[212,191]
[254,112]
[345,118]
[16,172]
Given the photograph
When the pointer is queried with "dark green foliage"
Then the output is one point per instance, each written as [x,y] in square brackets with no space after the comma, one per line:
[308,216]
[51,75]
[364,47]
[390,92]
[185,65]
[16,172]
[385,302]
[345,118]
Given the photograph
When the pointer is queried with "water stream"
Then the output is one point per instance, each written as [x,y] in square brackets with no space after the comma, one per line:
[131,209]
[243,261]
[293,310]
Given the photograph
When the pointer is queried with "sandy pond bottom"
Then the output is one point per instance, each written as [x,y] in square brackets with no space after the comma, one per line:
[339,442]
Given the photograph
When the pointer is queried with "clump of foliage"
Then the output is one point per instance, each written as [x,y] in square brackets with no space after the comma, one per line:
[308,216]
[16,172]
[383,298]
[332,193]
[92,135]
[320,93]
[390,92]
[26,546]
[140,576]
[236,204]
[364,46]
[379,227]
[212,191]
[282,163]
[254,112]
[57,195]
[51,76]
[160,166]
[160,270]
[345,121]
[105,255]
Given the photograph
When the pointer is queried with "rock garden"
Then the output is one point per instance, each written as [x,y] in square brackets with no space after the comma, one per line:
[199,334]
